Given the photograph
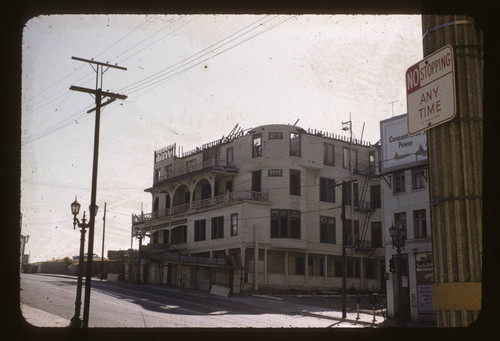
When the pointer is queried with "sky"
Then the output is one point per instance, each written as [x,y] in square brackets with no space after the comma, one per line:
[189,80]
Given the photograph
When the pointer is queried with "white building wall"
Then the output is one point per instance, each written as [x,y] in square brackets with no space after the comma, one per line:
[254,217]
[408,202]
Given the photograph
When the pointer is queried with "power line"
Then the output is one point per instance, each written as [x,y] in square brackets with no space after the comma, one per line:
[157,74]
[165,74]
[64,87]
[154,42]
[75,117]
[69,120]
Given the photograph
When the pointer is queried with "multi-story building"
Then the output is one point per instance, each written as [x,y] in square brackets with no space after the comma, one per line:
[405,198]
[266,202]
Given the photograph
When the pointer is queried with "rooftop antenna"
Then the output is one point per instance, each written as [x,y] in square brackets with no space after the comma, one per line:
[232,131]
[296,122]
[392,104]
[362,131]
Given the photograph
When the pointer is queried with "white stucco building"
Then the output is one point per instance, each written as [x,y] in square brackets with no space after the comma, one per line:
[266,203]
[405,198]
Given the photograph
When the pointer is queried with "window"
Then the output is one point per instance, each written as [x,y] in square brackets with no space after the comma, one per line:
[257,145]
[310,266]
[419,224]
[375,197]
[351,237]
[257,181]
[300,265]
[418,178]
[156,205]
[229,186]
[346,193]
[210,156]
[218,227]
[155,238]
[328,154]
[294,182]
[294,144]
[285,224]
[376,227]
[338,268]
[179,235]
[165,236]
[321,266]
[400,219]
[355,187]
[399,182]
[275,136]
[206,191]
[157,174]
[352,268]
[327,230]
[370,267]
[326,190]
[200,230]
[275,172]
[371,160]
[229,156]
[168,171]
[191,165]
[347,159]
[234,224]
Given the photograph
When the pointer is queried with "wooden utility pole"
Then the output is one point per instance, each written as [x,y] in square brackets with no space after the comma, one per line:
[103,234]
[455,172]
[100,68]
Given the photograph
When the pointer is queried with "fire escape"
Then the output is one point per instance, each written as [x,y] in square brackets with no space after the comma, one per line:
[361,243]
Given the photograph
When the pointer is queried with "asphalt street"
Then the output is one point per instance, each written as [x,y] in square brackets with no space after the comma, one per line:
[131,305]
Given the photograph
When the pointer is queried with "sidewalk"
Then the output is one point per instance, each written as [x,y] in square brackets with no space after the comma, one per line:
[40,318]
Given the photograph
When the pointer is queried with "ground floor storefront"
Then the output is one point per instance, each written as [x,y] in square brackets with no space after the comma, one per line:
[246,268]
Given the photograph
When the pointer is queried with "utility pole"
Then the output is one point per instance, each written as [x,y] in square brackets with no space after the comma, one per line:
[347,126]
[99,68]
[344,246]
[455,162]
[103,233]
[344,261]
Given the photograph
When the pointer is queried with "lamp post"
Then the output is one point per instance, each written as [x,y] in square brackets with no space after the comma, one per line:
[398,236]
[139,233]
[76,321]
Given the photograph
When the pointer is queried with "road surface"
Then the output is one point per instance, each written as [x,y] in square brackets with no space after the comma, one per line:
[131,305]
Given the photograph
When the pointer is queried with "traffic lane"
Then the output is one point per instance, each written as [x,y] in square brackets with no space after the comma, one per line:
[155,299]
[132,305]
[129,305]
[55,295]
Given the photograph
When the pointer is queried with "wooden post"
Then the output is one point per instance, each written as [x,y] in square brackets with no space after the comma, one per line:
[455,175]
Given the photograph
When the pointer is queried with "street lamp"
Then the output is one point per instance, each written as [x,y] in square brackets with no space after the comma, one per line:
[398,236]
[139,233]
[76,321]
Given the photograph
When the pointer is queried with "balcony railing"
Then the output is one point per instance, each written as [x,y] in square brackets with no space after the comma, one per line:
[363,245]
[207,164]
[365,168]
[200,204]
[364,206]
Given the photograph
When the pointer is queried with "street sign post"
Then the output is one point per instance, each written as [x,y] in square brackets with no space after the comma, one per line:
[430,91]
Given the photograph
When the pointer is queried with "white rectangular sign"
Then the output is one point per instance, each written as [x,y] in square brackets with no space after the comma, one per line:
[430,91]
[401,150]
